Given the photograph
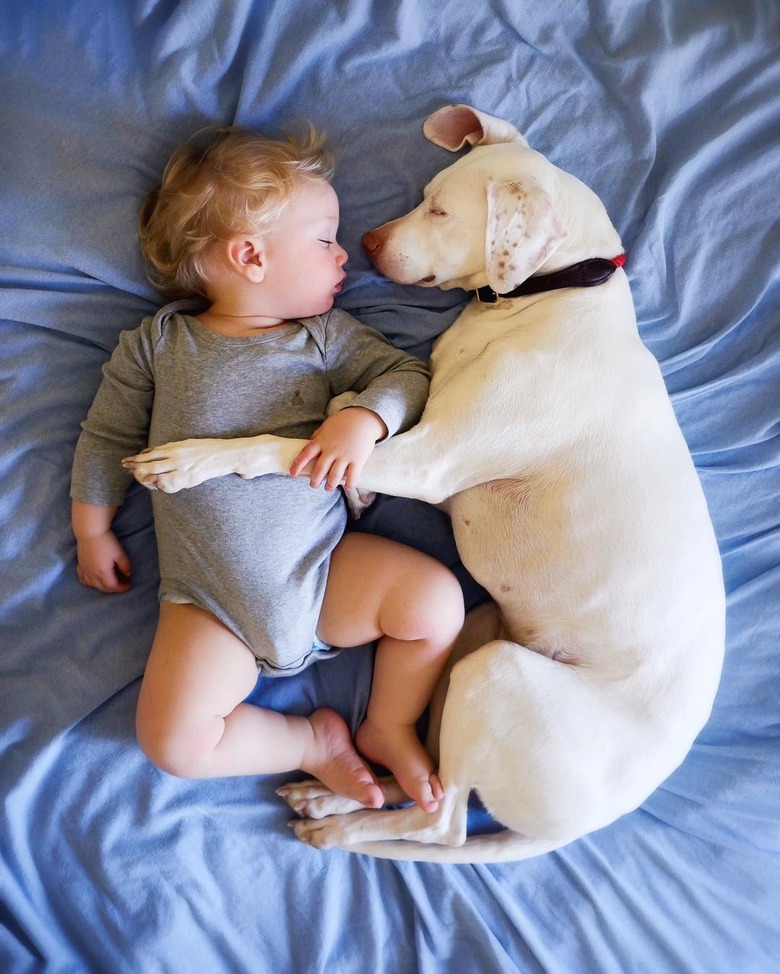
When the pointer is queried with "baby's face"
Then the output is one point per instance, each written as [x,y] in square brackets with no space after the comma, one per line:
[304,264]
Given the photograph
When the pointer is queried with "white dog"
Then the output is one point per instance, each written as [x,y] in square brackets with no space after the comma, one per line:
[574,502]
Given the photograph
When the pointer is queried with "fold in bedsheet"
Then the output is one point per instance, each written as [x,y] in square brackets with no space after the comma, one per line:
[670,112]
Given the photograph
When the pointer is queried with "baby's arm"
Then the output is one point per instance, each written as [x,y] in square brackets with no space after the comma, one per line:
[389,389]
[102,561]
[117,420]
[388,381]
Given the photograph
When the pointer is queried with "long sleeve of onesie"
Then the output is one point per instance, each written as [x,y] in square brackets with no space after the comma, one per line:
[357,358]
[117,425]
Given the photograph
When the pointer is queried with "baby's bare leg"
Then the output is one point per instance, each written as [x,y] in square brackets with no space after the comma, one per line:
[191,720]
[379,589]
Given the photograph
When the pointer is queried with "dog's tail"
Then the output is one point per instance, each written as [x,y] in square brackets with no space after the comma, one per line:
[504,846]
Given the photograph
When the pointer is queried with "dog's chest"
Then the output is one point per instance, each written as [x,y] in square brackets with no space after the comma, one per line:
[472,346]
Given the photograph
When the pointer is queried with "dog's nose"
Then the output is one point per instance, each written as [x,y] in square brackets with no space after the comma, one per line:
[371,242]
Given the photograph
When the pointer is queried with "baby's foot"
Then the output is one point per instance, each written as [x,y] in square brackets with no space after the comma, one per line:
[333,760]
[399,750]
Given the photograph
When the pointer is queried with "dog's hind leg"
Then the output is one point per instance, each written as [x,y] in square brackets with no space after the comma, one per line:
[482,625]
[445,826]
[311,799]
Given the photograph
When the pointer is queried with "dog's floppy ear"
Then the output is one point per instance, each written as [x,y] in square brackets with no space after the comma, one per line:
[523,230]
[457,125]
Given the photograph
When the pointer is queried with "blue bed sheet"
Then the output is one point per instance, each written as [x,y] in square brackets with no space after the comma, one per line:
[671,112]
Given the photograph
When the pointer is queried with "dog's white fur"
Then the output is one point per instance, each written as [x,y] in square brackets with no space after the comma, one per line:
[574,502]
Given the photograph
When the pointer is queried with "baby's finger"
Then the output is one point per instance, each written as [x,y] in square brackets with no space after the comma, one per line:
[310,452]
[335,475]
[320,470]
[88,578]
[123,564]
[111,581]
[351,475]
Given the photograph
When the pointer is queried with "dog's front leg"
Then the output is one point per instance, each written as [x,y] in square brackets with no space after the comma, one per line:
[187,463]
[429,462]
[418,463]
[179,465]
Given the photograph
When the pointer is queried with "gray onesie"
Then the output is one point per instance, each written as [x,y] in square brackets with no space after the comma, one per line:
[255,553]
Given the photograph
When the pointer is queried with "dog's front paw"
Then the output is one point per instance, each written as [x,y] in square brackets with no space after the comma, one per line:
[312,800]
[178,466]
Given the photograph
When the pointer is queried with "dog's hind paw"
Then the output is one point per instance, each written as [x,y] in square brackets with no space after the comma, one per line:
[315,833]
[313,800]
[308,788]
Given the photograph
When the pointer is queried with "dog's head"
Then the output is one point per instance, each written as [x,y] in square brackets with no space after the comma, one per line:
[493,217]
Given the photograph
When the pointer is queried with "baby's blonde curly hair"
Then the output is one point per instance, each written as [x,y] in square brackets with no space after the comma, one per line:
[221,183]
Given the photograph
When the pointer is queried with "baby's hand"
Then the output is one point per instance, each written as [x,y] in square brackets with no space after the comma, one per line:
[340,448]
[103,563]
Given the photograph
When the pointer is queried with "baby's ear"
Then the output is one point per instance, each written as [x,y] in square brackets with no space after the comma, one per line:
[246,256]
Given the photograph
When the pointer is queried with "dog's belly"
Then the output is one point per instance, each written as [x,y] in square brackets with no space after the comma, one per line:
[581,578]
[510,538]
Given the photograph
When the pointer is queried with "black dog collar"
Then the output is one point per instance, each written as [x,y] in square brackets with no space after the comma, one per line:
[588,273]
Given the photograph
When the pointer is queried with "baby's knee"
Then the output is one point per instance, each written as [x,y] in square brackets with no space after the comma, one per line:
[168,750]
[432,605]
[158,750]
[446,598]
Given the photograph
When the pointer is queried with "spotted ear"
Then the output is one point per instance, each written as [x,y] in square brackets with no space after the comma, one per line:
[523,230]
